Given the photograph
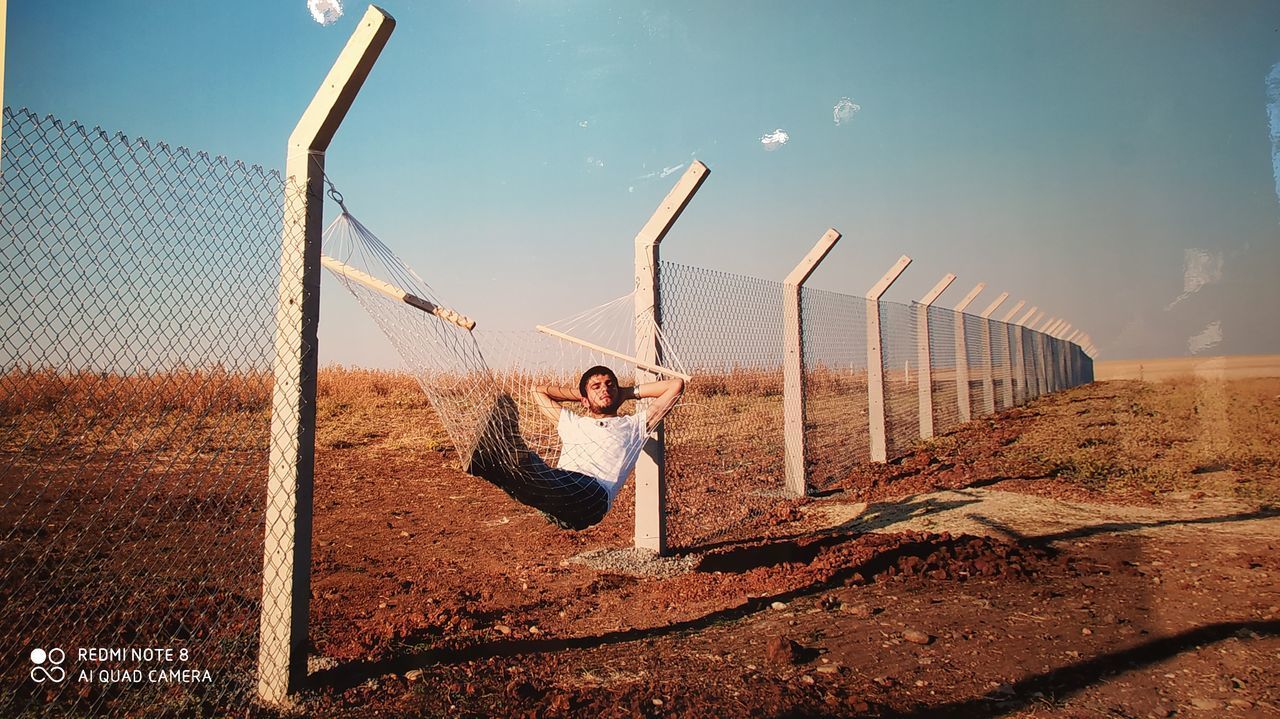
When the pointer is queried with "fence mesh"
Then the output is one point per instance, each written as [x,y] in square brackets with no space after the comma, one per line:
[728,329]
[943,375]
[136,398]
[140,285]
[899,357]
[835,362]
[999,349]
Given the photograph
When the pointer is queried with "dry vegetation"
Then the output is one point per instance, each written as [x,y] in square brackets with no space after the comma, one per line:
[1186,434]
[1123,441]
[1221,438]
[375,409]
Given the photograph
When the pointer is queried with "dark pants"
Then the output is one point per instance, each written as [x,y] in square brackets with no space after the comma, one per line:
[570,499]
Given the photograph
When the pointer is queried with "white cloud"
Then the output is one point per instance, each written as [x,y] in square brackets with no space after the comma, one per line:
[774,140]
[844,111]
[325,12]
[582,124]
[668,170]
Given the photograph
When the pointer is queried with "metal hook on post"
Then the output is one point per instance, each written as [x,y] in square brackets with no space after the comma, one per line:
[335,195]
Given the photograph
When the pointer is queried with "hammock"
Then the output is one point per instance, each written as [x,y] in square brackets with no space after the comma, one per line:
[480,383]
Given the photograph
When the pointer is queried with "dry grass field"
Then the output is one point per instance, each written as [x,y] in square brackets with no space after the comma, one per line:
[1221,368]
[434,594]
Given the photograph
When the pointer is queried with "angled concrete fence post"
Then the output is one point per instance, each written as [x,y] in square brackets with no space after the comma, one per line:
[875,362]
[651,481]
[923,356]
[988,370]
[962,355]
[286,553]
[793,367]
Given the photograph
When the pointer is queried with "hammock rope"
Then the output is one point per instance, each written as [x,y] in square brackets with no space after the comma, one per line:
[480,382]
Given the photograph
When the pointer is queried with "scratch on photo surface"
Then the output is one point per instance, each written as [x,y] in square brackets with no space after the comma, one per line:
[1200,268]
[1273,116]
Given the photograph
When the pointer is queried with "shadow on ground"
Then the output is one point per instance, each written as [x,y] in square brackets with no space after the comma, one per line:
[351,674]
[1072,678]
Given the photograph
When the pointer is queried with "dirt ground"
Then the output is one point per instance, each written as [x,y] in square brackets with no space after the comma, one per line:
[1108,551]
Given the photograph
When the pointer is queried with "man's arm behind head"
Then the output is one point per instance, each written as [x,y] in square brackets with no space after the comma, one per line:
[664,394]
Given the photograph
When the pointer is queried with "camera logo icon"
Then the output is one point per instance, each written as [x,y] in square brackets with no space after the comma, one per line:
[47,665]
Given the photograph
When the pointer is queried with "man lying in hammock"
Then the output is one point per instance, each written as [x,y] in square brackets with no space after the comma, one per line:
[598,449]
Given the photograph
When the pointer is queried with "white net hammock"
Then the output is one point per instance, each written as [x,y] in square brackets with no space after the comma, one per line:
[480,382]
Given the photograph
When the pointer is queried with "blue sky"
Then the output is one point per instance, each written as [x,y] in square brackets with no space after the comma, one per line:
[1078,155]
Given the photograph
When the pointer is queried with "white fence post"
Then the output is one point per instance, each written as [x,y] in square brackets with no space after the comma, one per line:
[988,371]
[875,364]
[793,382]
[286,552]
[962,355]
[923,358]
[651,481]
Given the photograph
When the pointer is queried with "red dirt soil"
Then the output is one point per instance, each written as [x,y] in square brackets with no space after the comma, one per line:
[434,594]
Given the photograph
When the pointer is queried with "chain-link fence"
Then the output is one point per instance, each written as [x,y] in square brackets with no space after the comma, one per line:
[728,437]
[900,361]
[142,286]
[728,329]
[835,384]
[139,286]
[945,395]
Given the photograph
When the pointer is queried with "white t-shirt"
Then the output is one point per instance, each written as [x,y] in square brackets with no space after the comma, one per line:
[605,448]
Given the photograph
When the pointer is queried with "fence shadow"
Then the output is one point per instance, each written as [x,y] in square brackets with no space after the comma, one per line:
[883,515]
[1123,527]
[351,674]
[874,518]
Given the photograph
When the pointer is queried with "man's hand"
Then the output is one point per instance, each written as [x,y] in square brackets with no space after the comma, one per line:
[549,398]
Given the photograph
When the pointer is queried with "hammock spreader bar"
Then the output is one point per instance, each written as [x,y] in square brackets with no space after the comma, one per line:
[396,293]
[642,365]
